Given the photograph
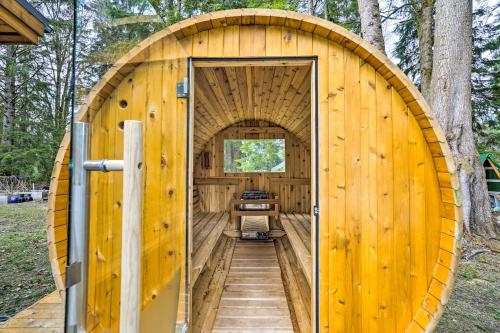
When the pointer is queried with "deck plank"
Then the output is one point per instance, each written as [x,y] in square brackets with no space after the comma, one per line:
[254,298]
[46,315]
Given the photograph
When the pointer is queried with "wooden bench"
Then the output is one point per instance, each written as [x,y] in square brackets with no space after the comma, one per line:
[298,229]
[207,230]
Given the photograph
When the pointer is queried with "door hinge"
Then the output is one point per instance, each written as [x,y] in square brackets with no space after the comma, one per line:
[316,210]
[73,274]
[183,89]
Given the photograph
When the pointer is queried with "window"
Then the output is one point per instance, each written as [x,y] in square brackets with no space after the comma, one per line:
[266,155]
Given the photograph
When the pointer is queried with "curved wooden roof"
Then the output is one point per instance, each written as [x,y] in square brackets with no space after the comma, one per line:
[383,66]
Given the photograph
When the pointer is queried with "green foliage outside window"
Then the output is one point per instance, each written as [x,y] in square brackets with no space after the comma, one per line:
[254,155]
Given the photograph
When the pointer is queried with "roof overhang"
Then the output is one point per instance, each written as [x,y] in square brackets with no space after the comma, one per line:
[21,23]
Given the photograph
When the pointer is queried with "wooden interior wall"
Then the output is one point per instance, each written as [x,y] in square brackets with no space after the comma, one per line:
[227,95]
[389,222]
[292,186]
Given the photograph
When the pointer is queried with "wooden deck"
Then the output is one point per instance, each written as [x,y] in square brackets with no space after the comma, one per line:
[45,316]
[254,297]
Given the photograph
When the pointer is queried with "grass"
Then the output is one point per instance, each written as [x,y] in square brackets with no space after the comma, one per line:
[24,264]
[474,305]
[25,273]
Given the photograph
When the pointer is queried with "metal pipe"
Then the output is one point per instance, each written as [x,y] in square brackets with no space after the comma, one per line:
[103,165]
[76,271]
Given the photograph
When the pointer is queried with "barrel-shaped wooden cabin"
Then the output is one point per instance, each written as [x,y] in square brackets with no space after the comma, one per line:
[361,218]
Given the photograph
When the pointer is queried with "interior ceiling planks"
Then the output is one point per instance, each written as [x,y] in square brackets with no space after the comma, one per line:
[228,95]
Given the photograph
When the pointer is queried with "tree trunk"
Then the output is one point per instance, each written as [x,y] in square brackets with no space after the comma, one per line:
[9,95]
[424,29]
[451,100]
[371,25]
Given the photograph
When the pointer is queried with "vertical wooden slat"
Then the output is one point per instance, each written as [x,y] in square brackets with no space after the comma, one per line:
[433,218]
[418,262]
[181,190]
[402,299]
[94,226]
[368,196]
[337,189]
[352,272]
[385,206]
[273,41]
[122,104]
[320,47]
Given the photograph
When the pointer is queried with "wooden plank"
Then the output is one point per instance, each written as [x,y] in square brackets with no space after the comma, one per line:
[368,197]
[255,213]
[131,255]
[322,85]
[300,309]
[205,250]
[416,161]
[122,104]
[21,27]
[352,273]
[337,196]
[385,204]
[401,213]
[237,233]
[244,297]
[219,180]
[252,41]
[26,17]
[219,281]
[290,181]
[433,212]
[208,283]
[303,255]
[46,315]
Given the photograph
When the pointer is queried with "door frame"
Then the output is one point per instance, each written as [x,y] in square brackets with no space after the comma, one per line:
[256,61]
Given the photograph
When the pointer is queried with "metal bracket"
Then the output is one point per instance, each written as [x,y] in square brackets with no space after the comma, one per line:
[316,210]
[73,274]
[183,89]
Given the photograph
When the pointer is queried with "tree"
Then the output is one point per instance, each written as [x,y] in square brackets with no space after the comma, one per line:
[371,24]
[9,93]
[344,13]
[254,155]
[415,40]
[451,101]
[424,22]
[38,78]
[486,77]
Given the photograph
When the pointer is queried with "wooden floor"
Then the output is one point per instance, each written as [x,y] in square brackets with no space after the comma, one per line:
[254,297]
[45,316]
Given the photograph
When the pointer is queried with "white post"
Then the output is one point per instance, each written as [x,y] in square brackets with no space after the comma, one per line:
[130,304]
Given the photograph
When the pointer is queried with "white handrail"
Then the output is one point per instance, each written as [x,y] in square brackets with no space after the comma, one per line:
[130,298]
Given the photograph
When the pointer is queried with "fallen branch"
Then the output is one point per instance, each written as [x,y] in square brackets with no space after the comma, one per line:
[468,255]
[136,19]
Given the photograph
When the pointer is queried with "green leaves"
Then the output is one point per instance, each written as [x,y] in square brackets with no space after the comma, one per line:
[267,155]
